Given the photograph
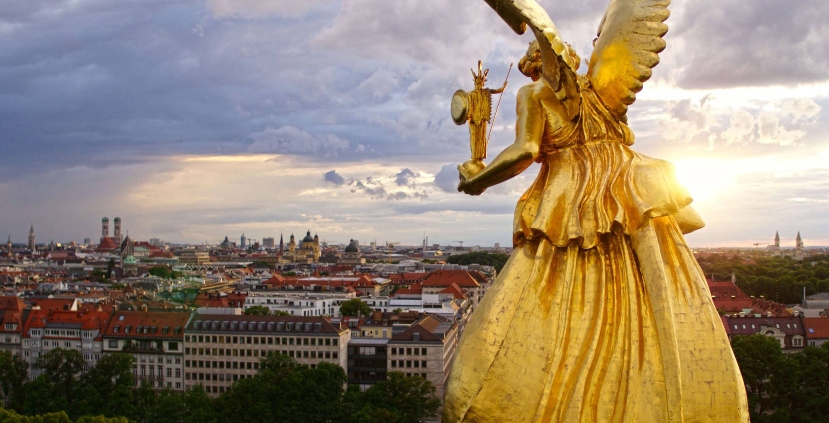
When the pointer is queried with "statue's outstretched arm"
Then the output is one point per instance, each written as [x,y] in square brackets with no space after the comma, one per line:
[516,158]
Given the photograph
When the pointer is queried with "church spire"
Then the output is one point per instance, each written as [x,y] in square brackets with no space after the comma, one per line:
[32,238]
[777,239]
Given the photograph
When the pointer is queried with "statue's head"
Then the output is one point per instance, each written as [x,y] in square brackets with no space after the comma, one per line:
[480,77]
[531,64]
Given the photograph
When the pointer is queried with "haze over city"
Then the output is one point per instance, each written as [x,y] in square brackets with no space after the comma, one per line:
[193,120]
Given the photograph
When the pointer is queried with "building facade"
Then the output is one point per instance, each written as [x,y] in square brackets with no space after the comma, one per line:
[47,329]
[156,340]
[427,348]
[221,349]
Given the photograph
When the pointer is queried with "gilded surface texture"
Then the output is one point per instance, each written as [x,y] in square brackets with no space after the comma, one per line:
[601,314]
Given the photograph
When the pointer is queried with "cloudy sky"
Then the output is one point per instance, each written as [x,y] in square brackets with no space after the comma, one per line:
[192,120]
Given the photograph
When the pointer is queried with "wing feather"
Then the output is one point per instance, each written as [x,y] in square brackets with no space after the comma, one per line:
[519,14]
[628,47]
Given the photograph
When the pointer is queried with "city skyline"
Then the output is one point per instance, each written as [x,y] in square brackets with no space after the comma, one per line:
[203,119]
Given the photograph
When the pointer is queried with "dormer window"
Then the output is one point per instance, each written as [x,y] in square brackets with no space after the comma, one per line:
[127,329]
[116,329]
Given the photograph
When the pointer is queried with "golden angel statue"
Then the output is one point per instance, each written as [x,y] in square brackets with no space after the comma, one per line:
[601,314]
[475,107]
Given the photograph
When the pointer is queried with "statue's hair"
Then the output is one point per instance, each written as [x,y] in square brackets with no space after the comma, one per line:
[531,63]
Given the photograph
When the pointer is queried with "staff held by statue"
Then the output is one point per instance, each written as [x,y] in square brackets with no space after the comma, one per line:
[475,107]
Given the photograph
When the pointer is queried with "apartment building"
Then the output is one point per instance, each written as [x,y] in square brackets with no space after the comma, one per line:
[47,329]
[156,340]
[11,323]
[221,349]
[426,349]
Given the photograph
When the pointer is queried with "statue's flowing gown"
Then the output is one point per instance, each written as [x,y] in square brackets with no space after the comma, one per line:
[601,314]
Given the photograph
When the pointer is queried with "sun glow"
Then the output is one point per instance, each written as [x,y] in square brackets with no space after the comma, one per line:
[705,180]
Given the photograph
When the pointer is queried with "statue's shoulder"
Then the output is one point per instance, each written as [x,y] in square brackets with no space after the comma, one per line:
[535,91]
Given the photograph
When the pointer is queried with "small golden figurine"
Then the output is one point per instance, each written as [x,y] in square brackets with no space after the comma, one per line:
[475,107]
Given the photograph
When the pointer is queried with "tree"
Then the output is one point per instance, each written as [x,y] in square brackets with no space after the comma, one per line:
[58,387]
[355,307]
[163,272]
[258,310]
[8,416]
[282,391]
[108,386]
[810,402]
[769,374]
[400,399]
[495,260]
[13,375]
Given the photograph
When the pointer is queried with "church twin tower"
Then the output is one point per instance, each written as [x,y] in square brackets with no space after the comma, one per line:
[798,243]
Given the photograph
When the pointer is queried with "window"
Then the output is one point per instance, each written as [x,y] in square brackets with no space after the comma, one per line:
[797,341]
[113,343]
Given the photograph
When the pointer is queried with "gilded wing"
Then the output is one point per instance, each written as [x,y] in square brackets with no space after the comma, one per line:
[554,51]
[630,38]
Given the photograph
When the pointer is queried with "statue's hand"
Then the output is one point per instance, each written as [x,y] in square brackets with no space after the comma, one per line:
[466,173]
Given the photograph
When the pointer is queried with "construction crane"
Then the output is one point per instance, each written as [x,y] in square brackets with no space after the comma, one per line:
[390,250]
[461,243]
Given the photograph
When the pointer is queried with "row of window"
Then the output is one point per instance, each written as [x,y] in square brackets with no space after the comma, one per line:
[152,359]
[152,371]
[408,364]
[788,326]
[259,340]
[408,351]
[157,384]
[144,344]
[212,389]
[217,377]
[316,355]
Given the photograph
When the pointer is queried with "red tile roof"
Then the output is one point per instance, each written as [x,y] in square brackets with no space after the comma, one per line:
[55,304]
[107,244]
[751,325]
[158,324]
[444,278]
[11,311]
[455,290]
[430,327]
[414,289]
[816,327]
[88,318]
